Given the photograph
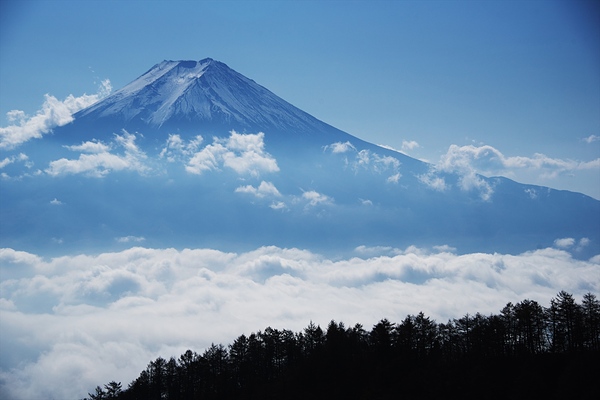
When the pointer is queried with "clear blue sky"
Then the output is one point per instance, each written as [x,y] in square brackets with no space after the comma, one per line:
[522,77]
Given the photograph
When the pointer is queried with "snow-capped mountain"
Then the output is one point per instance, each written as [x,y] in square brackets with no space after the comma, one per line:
[206,94]
[193,153]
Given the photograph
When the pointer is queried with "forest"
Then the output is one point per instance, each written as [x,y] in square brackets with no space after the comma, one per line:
[525,351]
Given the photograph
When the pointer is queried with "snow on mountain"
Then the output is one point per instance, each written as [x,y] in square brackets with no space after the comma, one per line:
[181,94]
[194,154]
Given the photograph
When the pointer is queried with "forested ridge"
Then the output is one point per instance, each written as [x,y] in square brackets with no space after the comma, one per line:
[525,351]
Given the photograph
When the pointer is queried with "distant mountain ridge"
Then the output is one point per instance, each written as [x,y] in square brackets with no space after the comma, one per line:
[192,153]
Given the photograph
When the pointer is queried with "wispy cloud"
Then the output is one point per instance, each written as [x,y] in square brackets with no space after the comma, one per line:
[12,159]
[432,180]
[130,239]
[53,113]
[105,316]
[409,145]
[592,139]
[366,160]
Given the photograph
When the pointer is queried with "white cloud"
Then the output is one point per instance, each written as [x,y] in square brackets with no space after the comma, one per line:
[104,317]
[263,190]
[470,163]
[394,178]
[564,243]
[409,145]
[572,243]
[460,160]
[98,161]
[315,198]
[245,154]
[17,158]
[90,147]
[340,147]
[278,205]
[432,180]
[56,202]
[130,239]
[208,159]
[486,160]
[368,160]
[176,148]
[592,139]
[53,113]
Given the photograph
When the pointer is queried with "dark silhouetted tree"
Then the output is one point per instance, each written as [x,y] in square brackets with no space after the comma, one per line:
[590,307]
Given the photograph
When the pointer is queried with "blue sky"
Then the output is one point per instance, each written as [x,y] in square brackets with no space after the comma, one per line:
[514,86]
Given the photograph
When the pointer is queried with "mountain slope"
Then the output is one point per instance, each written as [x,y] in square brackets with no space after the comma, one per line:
[195,154]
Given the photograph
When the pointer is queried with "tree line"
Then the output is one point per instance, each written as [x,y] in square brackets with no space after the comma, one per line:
[525,351]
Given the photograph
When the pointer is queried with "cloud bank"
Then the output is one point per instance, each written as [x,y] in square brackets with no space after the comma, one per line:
[105,316]
[53,113]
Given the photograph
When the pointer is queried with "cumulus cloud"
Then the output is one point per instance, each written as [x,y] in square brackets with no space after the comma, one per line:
[278,205]
[96,159]
[12,159]
[340,147]
[487,160]
[54,113]
[472,163]
[461,160]
[245,154]
[564,243]
[177,148]
[315,198]
[56,202]
[106,316]
[265,189]
[572,243]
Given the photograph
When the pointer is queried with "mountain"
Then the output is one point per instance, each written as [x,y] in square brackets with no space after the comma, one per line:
[193,154]
[207,95]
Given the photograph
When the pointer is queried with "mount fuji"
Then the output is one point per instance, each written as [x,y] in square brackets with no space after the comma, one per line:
[193,154]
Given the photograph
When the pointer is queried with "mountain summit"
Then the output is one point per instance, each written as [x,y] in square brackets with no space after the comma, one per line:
[193,154]
[187,94]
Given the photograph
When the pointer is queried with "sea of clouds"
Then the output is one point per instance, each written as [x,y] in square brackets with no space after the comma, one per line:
[71,323]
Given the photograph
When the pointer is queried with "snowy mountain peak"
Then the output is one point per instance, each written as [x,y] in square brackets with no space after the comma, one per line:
[199,94]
